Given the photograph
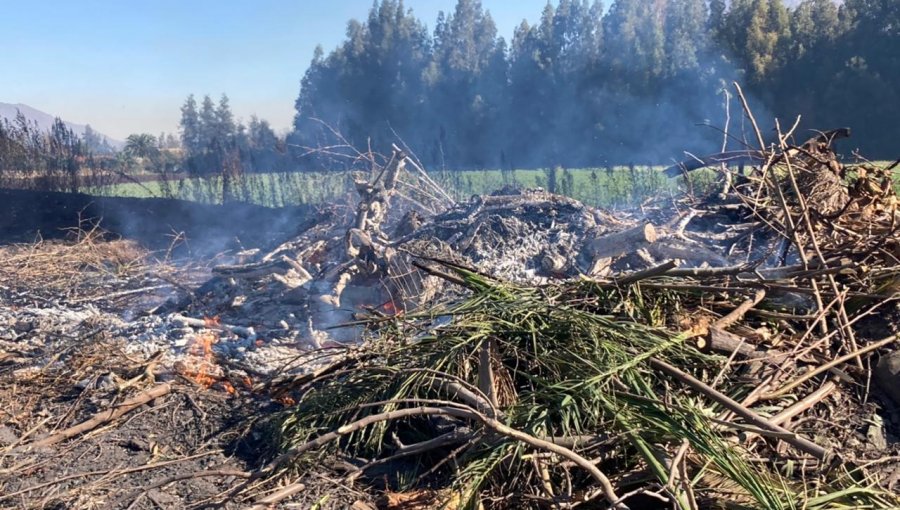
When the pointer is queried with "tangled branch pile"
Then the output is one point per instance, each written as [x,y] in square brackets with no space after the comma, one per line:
[734,350]
[740,382]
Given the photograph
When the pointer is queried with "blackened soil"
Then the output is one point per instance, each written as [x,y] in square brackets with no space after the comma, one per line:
[154,222]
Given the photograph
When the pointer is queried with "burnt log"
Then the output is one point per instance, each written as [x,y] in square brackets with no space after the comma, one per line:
[620,243]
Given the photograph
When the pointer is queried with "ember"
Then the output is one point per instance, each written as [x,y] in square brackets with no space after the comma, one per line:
[212,322]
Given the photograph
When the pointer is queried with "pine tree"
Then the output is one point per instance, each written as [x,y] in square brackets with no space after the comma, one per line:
[759,30]
[190,133]
[466,84]
[208,126]
[813,22]
[686,36]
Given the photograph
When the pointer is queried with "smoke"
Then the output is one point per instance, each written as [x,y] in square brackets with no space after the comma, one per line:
[190,229]
[532,106]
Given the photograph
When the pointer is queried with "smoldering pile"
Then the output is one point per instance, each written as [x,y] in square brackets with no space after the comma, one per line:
[524,349]
[374,259]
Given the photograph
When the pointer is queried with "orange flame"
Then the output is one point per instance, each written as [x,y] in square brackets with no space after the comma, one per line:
[201,371]
[286,401]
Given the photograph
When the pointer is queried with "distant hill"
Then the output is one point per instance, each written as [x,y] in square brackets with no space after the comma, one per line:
[45,120]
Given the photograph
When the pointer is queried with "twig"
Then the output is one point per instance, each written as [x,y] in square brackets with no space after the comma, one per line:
[798,442]
[800,406]
[749,113]
[437,187]
[843,320]
[123,293]
[458,412]
[643,274]
[186,476]
[831,364]
[104,416]
[283,493]
[486,373]
[738,313]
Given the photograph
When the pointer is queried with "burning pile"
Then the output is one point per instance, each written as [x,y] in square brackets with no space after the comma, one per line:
[550,355]
[526,350]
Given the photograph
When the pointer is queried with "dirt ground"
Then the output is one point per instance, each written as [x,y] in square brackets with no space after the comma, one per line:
[67,356]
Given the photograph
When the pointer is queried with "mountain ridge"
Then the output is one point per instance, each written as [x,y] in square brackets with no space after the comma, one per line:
[45,120]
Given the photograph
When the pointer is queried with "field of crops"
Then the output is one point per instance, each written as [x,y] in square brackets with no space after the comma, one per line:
[619,186]
[607,187]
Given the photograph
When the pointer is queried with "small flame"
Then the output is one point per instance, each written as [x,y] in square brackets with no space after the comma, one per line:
[201,370]
[392,309]
[212,322]
[286,401]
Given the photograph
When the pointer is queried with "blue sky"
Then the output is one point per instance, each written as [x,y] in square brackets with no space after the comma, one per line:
[127,66]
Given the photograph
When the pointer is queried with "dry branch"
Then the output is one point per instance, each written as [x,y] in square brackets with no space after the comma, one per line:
[620,243]
[104,416]
[798,442]
[457,412]
[831,364]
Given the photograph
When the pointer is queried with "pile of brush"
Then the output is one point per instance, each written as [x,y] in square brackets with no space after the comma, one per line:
[725,386]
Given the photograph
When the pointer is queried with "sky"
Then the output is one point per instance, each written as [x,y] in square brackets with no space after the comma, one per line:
[127,66]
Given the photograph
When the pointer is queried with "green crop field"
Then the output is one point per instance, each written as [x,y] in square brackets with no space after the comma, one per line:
[269,189]
[619,186]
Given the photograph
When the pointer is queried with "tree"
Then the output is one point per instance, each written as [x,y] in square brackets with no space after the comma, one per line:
[92,141]
[66,153]
[371,86]
[208,130]
[635,40]
[585,86]
[264,154]
[465,81]
[715,24]
[686,37]
[225,127]
[141,145]
[190,127]
[759,36]
[813,23]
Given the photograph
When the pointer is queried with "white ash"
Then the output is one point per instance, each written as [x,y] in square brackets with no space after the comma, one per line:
[36,333]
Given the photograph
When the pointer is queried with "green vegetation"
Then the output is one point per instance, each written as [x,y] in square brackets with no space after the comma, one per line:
[580,84]
[268,189]
[606,187]
[566,361]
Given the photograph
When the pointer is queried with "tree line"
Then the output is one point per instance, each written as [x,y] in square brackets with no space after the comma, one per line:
[214,143]
[587,85]
[47,160]
[211,144]
[59,159]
